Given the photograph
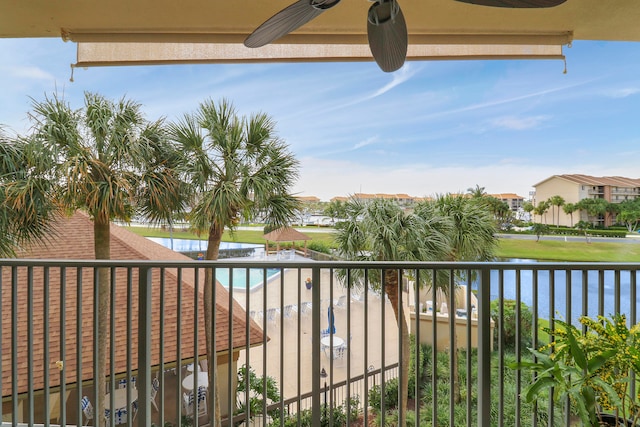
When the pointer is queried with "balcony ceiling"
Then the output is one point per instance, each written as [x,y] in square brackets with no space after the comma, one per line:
[220,27]
[232,21]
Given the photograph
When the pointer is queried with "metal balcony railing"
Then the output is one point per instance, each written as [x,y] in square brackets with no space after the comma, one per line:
[298,355]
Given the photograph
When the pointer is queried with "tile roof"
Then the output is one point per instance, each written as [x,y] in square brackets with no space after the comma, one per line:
[506,196]
[74,240]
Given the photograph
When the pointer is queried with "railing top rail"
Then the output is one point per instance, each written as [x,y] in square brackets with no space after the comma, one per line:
[502,265]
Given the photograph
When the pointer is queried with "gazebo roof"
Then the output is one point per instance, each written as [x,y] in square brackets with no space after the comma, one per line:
[285,234]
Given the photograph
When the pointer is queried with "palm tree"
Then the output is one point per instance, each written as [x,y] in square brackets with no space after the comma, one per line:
[556,201]
[569,209]
[237,167]
[476,192]
[528,208]
[541,210]
[471,237]
[25,182]
[379,230]
[111,162]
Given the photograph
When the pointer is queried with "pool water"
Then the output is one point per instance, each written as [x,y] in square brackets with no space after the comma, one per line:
[256,277]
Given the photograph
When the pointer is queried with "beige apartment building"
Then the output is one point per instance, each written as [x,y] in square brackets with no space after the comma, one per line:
[573,188]
[513,200]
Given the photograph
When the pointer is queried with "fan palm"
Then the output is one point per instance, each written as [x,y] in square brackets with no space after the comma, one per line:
[25,178]
[379,230]
[471,237]
[111,162]
[238,168]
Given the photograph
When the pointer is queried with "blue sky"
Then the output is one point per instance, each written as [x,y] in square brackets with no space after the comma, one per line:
[431,127]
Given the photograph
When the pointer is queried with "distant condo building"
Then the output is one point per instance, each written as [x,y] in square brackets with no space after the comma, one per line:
[513,200]
[574,188]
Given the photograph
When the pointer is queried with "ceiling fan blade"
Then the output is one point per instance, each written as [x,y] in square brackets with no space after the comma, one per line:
[387,32]
[287,20]
[519,4]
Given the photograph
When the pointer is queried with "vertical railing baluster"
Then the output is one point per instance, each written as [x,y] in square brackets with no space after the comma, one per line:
[2,270]
[299,345]
[112,351]
[484,348]
[14,343]
[79,343]
[453,350]
[569,284]
[518,348]
[552,309]
[161,312]
[63,345]
[247,382]
[468,366]
[616,292]
[534,334]
[633,294]
[144,346]
[349,343]
[434,347]
[418,341]
[129,338]
[383,362]
[30,403]
[315,346]
[180,398]
[585,296]
[501,340]
[230,397]
[365,406]
[281,370]
[196,328]
[601,292]
[47,358]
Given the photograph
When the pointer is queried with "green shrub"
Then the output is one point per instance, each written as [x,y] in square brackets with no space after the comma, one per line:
[508,332]
[319,247]
[391,386]
[337,416]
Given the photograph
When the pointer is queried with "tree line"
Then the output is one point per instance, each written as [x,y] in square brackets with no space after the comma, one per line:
[212,168]
[626,213]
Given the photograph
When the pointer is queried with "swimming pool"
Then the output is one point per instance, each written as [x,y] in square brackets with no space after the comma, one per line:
[256,277]
[191,245]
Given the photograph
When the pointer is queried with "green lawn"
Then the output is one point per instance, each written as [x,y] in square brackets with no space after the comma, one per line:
[553,250]
[569,251]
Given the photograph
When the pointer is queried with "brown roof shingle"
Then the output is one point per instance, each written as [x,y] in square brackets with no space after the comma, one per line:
[74,240]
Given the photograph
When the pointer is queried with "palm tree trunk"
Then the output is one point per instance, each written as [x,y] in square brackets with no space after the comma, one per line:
[213,247]
[391,288]
[102,249]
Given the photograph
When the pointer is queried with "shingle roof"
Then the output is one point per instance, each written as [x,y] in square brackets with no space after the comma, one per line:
[74,240]
[614,181]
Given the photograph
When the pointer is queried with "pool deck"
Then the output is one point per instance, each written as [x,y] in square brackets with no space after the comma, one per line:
[289,332]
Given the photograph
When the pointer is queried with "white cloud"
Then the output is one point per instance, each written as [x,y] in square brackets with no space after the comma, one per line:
[28,72]
[519,123]
[364,143]
[622,92]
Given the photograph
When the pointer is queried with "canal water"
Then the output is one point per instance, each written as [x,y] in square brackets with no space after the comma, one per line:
[572,293]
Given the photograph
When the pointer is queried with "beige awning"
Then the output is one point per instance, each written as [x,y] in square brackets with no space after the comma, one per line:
[141,53]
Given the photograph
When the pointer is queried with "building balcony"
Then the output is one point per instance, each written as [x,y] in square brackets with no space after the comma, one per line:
[324,351]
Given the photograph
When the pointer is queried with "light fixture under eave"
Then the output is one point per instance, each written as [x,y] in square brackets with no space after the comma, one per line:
[90,54]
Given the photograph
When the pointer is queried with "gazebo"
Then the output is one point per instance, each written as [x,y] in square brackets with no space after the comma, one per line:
[285,234]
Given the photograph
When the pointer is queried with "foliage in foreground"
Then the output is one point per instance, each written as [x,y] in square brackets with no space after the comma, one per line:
[443,390]
[336,416]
